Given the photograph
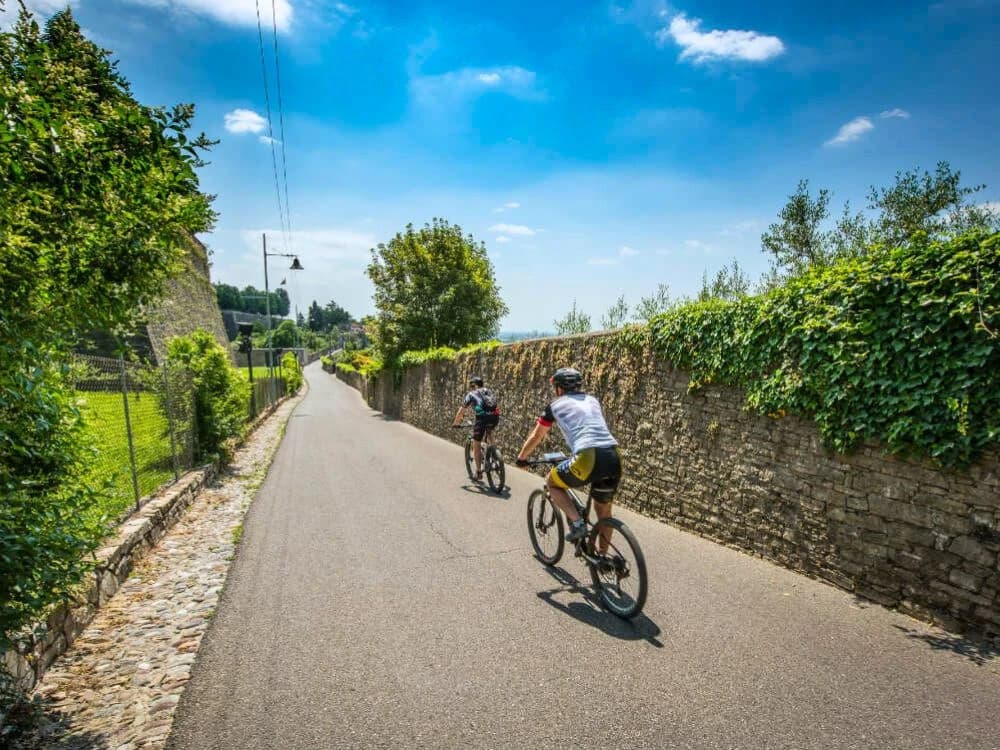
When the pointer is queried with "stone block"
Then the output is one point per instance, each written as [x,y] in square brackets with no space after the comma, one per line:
[970,549]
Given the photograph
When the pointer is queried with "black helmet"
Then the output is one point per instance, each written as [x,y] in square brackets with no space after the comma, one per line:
[567,378]
[476,380]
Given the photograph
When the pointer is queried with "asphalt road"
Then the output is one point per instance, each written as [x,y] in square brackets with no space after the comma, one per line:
[379,600]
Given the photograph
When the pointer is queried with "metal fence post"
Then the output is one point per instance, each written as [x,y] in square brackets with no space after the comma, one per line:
[128,431]
[170,420]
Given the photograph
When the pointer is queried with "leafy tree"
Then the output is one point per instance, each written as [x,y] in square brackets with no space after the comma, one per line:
[572,322]
[300,320]
[97,196]
[334,315]
[284,335]
[433,287]
[315,317]
[222,396]
[730,282]
[798,242]
[616,315]
[653,305]
[280,303]
[935,204]
[228,297]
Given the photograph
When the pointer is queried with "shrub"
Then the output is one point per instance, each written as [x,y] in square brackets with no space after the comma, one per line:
[291,372]
[222,395]
[900,345]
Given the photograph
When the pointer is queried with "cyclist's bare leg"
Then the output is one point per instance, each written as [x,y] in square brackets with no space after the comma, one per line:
[603,510]
[561,498]
[477,451]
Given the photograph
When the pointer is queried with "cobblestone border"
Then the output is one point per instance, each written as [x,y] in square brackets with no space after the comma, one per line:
[42,644]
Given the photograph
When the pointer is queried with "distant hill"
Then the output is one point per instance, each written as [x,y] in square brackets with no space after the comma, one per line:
[509,336]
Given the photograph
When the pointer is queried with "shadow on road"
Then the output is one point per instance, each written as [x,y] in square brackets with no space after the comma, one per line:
[591,612]
[484,489]
[977,651]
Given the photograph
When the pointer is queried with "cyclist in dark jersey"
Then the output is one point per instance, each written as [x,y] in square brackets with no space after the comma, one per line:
[594,451]
[483,404]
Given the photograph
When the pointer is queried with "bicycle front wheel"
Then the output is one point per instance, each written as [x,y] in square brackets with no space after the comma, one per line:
[545,527]
[470,460]
[620,575]
[495,472]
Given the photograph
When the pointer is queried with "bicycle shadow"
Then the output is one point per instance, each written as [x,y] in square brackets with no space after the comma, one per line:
[592,613]
[475,488]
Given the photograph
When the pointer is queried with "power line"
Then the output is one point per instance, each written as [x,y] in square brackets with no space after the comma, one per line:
[270,128]
[281,118]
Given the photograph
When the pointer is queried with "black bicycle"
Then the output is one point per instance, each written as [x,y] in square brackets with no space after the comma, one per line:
[619,574]
[492,464]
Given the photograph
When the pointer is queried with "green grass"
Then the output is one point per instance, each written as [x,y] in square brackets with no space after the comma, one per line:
[104,416]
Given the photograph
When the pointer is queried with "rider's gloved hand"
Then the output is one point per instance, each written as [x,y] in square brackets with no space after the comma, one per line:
[521,462]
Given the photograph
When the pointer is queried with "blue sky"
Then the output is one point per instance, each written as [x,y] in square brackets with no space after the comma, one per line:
[597,148]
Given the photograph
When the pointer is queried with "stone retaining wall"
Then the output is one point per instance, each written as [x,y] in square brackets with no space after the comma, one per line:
[899,532]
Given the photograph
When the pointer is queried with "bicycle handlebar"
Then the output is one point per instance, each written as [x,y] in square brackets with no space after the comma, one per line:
[551,459]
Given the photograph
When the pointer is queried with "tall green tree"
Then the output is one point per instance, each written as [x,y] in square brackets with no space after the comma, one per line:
[798,241]
[228,297]
[334,315]
[936,204]
[97,196]
[729,282]
[316,318]
[616,315]
[434,286]
[654,304]
[575,321]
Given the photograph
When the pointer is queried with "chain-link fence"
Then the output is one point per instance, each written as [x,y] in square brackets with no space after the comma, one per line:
[141,420]
[266,391]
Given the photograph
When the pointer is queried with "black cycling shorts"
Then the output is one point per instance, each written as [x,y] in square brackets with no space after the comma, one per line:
[482,422]
[602,467]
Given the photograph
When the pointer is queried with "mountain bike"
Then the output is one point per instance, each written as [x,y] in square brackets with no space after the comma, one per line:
[619,575]
[493,465]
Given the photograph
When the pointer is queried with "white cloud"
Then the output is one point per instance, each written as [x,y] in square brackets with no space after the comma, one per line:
[703,47]
[851,131]
[518,229]
[698,245]
[506,207]
[42,10]
[267,140]
[502,239]
[991,206]
[627,251]
[232,12]
[897,112]
[244,121]
[466,83]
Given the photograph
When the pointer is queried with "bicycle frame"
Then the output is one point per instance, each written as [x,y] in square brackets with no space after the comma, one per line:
[580,545]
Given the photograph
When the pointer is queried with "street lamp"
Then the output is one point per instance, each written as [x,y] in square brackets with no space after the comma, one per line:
[296,266]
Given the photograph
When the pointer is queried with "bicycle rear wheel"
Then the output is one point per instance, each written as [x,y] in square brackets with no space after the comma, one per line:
[495,472]
[545,527]
[620,578]
[470,460]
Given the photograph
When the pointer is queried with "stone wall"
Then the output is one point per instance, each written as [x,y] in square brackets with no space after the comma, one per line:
[898,532]
[188,303]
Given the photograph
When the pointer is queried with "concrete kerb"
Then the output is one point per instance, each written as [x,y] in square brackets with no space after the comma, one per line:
[39,646]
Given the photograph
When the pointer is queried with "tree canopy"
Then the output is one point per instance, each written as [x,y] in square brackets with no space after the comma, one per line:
[934,204]
[97,196]
[434,286]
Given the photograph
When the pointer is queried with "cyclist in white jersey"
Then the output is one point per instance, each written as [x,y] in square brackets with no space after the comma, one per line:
[594,451]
